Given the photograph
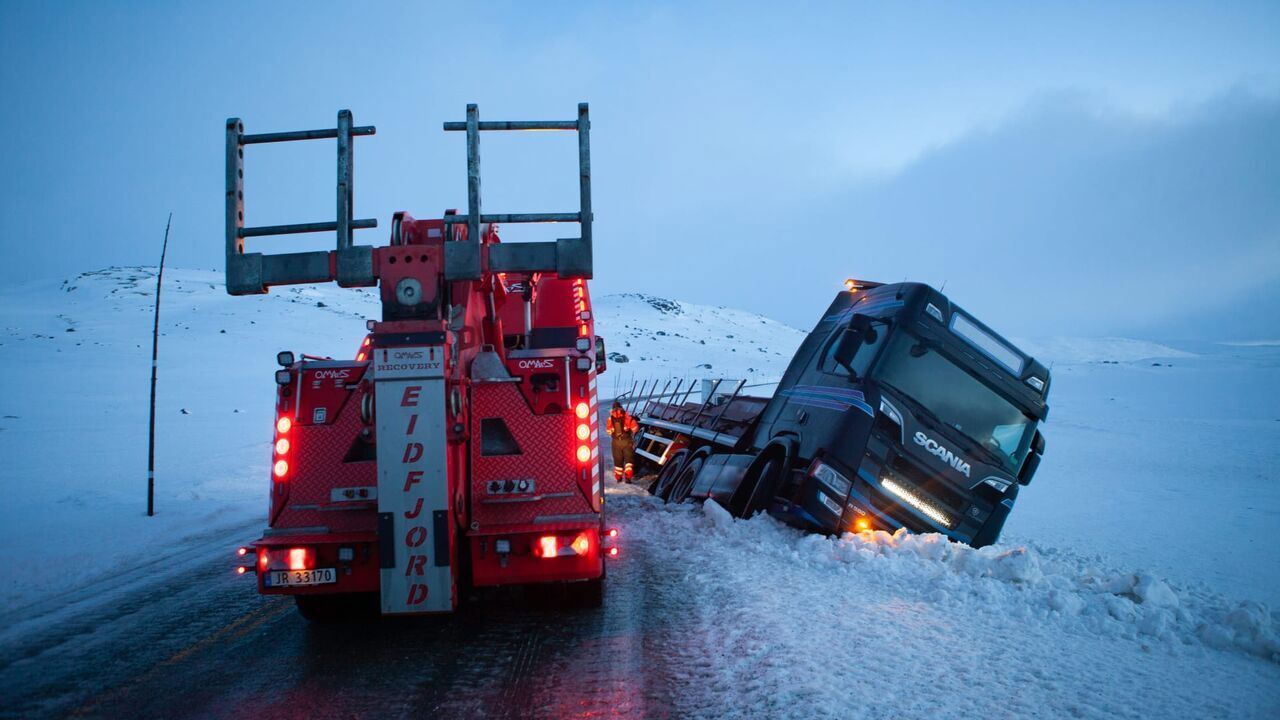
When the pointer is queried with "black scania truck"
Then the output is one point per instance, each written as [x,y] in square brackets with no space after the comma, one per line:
[899,410]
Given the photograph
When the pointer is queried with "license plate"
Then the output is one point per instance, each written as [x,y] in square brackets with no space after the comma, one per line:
[293,578]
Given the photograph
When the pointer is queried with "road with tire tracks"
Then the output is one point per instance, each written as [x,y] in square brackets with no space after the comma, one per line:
[201,643]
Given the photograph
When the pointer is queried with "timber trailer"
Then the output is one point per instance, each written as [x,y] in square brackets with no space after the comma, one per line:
[460,447]
[899,410]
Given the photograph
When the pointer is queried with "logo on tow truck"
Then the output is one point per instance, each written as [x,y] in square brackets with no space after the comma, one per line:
[943,454]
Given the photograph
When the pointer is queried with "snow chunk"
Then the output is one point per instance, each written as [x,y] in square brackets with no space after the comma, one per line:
[719,517]
[1154,591]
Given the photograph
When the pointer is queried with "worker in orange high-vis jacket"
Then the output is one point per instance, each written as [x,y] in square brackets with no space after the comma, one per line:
[622,433]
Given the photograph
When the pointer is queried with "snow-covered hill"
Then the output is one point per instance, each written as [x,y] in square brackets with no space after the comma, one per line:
[1161,458]
[652,339]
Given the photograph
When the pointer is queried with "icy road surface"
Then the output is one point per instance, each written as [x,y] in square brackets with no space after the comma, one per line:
[704,616]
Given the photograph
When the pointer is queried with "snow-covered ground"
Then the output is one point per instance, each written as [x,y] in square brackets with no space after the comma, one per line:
[1146,540]
[778,623]
[73,415]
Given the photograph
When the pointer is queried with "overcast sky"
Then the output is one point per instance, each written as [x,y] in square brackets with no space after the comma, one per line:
[1065,168]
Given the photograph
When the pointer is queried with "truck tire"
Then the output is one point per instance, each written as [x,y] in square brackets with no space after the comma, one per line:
[588,594]
[667,476]
[327,609]
[760,483]
[683,484]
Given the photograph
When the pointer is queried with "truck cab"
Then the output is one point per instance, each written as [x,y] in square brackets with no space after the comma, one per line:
[899,410]
[906,411]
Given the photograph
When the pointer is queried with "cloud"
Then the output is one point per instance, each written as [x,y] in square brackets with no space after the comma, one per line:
[1068,218]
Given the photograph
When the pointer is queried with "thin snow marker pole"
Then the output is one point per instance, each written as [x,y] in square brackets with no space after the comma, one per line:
[155,344]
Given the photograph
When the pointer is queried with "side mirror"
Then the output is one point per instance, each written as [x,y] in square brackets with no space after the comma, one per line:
[859,333]
[863,324]
[284,358]
[1032,463]
[846,347]
[601,363]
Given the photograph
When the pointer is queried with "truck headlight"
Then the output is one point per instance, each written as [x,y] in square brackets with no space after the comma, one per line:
[998,483]
[832,478]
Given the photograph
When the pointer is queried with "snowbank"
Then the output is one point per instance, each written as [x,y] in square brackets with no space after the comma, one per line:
[1058,586]
[779,623]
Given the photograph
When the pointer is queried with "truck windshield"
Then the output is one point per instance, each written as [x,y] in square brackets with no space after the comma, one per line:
[956,398]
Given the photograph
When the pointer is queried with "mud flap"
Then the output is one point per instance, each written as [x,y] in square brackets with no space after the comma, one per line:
[413,493]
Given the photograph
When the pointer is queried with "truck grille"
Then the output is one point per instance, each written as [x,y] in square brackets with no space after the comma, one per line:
[929,485]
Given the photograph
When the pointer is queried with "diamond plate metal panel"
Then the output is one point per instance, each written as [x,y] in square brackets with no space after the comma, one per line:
[316,456]
[547,455]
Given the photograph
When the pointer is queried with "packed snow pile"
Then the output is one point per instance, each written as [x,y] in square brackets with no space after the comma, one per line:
[1051,586]
[1042,585]
[650,338]
[902,625]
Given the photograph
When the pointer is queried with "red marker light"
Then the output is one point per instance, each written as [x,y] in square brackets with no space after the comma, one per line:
[613,552]
[283,425]
[242,552]
[282,446]
[242,570]
[584,432]
[613,532]
[584,453]
[582,410]
[262,560]
[281,468]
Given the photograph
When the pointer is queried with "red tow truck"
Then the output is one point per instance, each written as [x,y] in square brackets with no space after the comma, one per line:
[460,448]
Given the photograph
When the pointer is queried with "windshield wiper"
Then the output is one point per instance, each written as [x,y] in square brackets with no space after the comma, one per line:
[919,408]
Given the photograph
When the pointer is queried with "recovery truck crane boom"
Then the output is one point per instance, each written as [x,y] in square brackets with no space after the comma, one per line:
[460,448]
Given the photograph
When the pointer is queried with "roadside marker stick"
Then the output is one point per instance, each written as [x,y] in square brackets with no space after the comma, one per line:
[155,341]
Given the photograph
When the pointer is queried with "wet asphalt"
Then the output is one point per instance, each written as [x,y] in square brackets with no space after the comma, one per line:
[202,643]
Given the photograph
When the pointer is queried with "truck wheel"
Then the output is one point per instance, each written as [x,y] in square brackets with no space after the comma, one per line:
[683,485]
[317,608]
[336,608]
[588,594]
[760,484]
[667,476]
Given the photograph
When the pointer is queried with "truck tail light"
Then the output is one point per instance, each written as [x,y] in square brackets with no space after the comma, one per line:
[581,544]
[582,410]
[583,431]
[584,454]
[280,466]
